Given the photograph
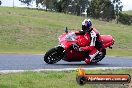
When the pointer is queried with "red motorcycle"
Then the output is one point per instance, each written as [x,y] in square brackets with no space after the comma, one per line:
[66,50]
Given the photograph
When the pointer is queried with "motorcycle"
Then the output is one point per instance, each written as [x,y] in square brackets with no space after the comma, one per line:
[68,44]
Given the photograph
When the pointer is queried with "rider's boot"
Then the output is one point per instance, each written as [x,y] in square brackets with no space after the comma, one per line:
[87,60]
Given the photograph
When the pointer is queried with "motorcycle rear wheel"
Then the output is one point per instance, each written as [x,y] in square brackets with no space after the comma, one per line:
[99,56]
[52,56]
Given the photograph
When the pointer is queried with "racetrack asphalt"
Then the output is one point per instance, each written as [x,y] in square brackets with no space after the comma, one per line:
[31,62]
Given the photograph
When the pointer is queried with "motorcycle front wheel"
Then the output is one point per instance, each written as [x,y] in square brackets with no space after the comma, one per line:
[52,56]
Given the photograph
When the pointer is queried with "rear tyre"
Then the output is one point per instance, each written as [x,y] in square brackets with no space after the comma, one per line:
[99,56]
[53,56]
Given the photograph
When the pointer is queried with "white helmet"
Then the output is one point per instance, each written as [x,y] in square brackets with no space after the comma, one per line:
[87,22]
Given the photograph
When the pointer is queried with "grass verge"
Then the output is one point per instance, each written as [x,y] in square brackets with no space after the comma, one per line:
[55,79]
[31,31]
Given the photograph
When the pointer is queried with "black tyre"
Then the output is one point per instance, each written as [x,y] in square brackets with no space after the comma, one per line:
[53,56]
[99,57]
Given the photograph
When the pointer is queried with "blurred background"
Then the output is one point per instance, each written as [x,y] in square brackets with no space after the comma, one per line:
[127,4]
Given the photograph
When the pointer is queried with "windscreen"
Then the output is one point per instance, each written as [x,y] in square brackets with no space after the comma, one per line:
[71,36]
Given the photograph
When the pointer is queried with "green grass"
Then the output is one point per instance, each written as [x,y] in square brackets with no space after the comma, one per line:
[31,31]
[119,52]
[65,79]
[128,12]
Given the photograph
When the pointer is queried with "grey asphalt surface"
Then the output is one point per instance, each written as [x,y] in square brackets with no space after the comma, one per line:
[31,62]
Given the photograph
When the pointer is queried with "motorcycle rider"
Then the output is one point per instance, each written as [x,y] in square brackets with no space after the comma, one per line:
[93,34]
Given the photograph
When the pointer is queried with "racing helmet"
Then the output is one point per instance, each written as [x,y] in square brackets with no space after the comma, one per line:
[89,23]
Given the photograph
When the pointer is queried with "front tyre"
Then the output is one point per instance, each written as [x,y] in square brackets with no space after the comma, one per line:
[52,56]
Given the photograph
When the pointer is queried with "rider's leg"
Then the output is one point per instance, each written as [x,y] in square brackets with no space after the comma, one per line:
[91,55]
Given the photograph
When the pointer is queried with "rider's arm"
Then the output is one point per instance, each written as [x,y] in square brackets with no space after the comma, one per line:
[92,42]
[86,48]
[81,32]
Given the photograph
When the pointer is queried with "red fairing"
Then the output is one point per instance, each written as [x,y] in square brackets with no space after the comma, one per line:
[83,40]
[107,40]
[86,47]
[64,43]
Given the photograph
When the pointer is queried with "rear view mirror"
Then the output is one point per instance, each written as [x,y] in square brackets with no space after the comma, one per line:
[66,30]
